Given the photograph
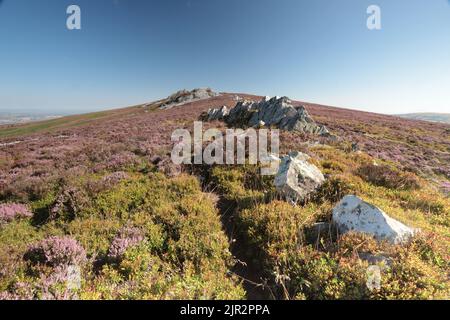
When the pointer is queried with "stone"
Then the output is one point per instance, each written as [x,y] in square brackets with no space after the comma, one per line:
[275,112]
[217,114]
[354,214]
[261,124]
[184,96]
[297,178]
[241,113]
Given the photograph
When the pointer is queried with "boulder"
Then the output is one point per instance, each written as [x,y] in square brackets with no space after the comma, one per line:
[217,114]
[280,112]
[240,115]
[297,178]
[184,96]
[354,214]
[275,112]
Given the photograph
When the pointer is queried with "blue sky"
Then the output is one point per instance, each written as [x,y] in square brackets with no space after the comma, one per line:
[135,51]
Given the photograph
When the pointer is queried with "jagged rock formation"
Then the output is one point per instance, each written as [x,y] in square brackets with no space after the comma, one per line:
[354,214]
[217,114]
[271,112]
[186,96]
[297,178]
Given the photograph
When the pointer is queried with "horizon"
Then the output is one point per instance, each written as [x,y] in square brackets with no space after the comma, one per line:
[133,52]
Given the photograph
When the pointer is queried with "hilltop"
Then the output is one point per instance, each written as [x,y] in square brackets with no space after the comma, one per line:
[98,193]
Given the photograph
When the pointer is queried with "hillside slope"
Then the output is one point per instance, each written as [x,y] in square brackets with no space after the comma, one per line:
[143,231]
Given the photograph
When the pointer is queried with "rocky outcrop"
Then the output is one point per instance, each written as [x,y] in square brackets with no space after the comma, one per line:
[184,96]
[217,114]
[297,178]
[354,214]
[272,112]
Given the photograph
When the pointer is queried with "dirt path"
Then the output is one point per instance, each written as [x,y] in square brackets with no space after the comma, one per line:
[253,280]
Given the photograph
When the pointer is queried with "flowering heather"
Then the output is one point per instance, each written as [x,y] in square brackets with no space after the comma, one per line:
[446,187]
[121,160]
[126,238]
[114,178]
[20,291]
[57,251]
[11,211]
[72,173]
[61,284]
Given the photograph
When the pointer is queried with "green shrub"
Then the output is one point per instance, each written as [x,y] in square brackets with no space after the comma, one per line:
[389,177]
[334,189]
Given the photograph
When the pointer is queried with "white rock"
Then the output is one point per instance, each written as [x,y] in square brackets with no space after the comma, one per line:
[217,114]
[296,177]
[354,214]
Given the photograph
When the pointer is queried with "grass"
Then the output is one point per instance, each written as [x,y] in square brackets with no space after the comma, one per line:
[62,123]
[99,180]
[183,254]
[278,236]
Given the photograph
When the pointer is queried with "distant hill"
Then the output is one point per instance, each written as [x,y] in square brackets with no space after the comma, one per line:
[428,116]
[24,118]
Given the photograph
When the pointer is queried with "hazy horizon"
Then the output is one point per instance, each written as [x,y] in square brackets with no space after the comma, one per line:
[132,52]
[66,112]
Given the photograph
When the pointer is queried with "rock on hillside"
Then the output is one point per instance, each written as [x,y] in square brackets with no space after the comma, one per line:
[277,112]
[217,114]
[354,214]
[185,96]
[297,178]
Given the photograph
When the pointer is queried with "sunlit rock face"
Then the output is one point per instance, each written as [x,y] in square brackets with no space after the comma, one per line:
[185,96]
[297,178]
[354,214]
[270,112]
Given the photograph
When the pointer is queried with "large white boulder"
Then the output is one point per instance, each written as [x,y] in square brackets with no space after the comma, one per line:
[296,177]
[354,214]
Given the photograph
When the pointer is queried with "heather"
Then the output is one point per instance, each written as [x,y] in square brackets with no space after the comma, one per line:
[11,211]
[126,238]
[92,208]
[282,241]
[144,237]
[56,251]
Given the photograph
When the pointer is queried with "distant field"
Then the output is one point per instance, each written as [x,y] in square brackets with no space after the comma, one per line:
[434,117]
[15,130]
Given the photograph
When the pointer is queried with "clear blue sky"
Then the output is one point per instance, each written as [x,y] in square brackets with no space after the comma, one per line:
[135,51]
